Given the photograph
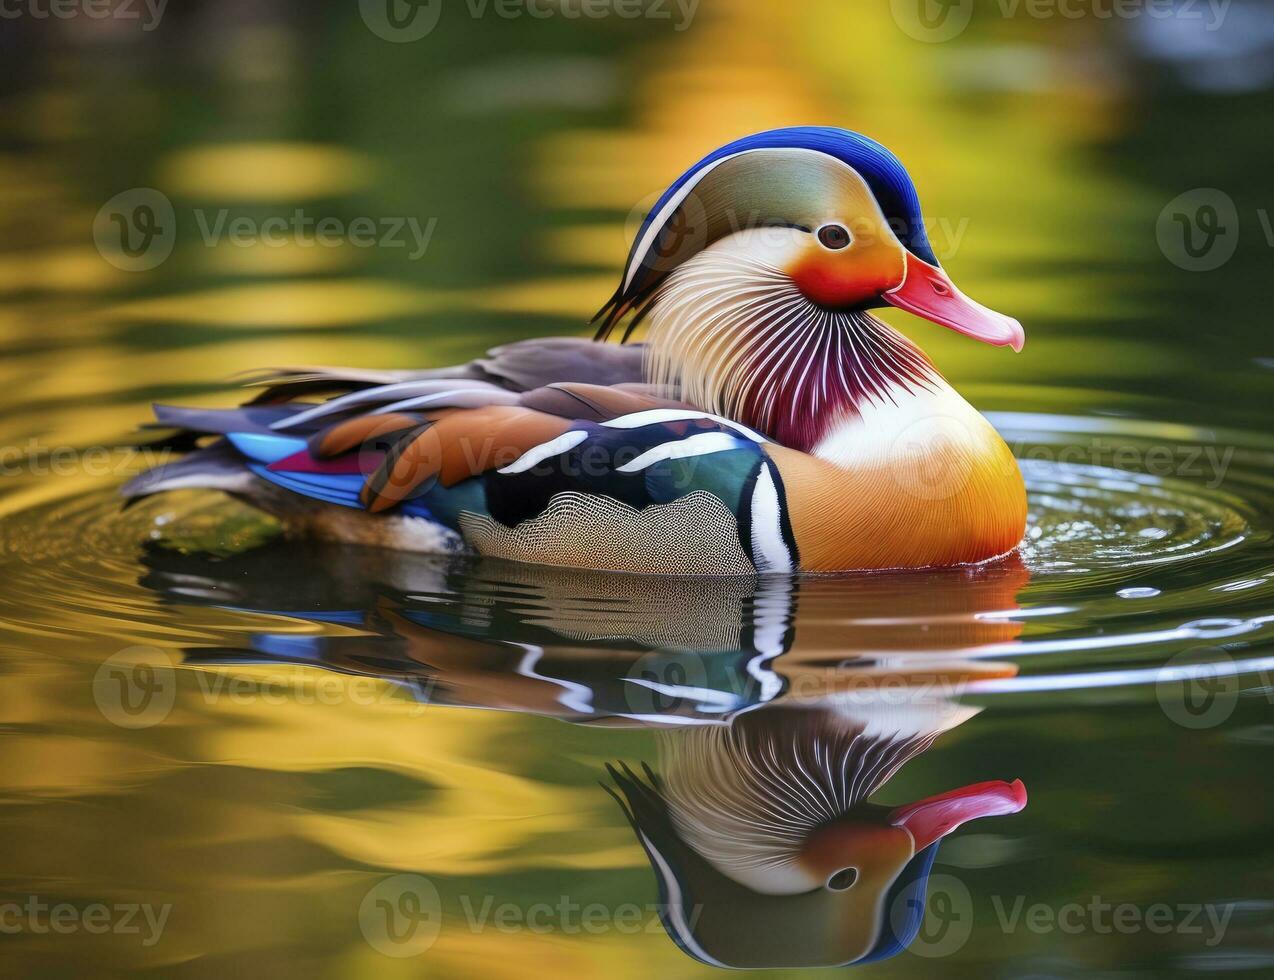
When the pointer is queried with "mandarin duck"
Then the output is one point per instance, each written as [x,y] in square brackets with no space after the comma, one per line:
[769,423]
[766,848]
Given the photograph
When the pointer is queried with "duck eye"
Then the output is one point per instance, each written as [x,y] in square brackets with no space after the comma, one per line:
[843,879]
[833,236]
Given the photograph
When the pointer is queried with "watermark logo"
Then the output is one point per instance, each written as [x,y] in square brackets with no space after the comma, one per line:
[946,908]
[147,12]
[1210,12]
[1207,463]
[313,687]
[36,916]
[932,21]
[929,459]
[683,232]
[136,229]
[401,916]
[311,231]
[936,21]
[688,229]
[40,459]
[136,687]
[401,21]
[1199,230]
[568,917]
[663,683]
[1198,689]
[1105,918]
[943,918]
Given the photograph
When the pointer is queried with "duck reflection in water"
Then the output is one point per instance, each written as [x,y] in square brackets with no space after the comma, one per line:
[781,706]
[767,850]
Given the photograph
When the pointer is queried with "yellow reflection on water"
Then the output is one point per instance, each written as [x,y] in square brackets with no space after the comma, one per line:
[73,269]
[329,303]
[266,172]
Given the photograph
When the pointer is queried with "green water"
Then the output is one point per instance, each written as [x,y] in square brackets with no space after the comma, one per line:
[248,741]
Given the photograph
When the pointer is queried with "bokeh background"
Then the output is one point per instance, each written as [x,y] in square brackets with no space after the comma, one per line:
[1102,176]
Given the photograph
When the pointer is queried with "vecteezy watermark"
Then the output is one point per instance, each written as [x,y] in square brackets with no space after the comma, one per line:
[40,459]
[148,12]
[1207,463]
[928,460]
[404,21]
[1199,230]
[935,21]
[136,230]
[309,231]
[1211,12]
[949,915]
[310,687]
[402,916]
[1103,917]
[37,916]
[137,688]
[661,683]
[686,230]
[564,916]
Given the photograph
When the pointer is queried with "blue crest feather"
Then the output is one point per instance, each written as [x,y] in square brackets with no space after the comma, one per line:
[884,173]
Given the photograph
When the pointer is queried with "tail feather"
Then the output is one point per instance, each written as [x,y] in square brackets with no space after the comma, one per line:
[259,419]
[218,467]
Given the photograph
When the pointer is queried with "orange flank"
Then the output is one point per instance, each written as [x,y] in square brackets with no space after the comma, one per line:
[949,503]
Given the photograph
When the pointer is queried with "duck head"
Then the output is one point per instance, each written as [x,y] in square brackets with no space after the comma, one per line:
[758,267]
[766,848]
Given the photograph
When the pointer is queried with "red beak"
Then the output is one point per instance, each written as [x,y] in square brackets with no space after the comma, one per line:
[927,291]
[934,818]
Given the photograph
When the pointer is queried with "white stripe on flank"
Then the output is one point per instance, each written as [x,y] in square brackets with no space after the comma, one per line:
[700,445]
[546,450]
[653,416]
[769,551]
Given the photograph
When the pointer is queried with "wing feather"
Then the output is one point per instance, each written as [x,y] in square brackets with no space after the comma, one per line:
[459,445]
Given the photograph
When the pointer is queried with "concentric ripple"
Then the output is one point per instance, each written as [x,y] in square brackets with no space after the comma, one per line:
[1144,541]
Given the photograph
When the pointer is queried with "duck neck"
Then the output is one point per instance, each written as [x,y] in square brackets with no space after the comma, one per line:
[746,343]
